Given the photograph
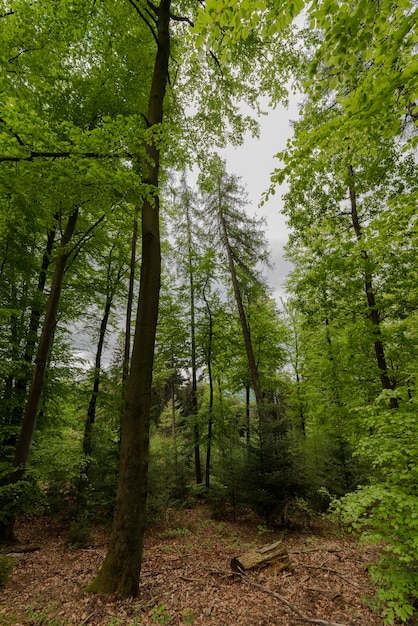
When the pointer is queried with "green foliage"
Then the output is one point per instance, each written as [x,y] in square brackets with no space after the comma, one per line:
[79,533]
[187,616]
[160,615]
[384,512]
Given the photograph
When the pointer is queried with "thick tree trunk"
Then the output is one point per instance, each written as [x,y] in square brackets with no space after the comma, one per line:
[374,315]
[121,569]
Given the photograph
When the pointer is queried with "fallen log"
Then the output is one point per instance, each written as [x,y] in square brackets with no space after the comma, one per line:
[272,554]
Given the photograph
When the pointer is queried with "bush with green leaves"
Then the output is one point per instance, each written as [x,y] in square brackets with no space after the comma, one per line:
[385,511]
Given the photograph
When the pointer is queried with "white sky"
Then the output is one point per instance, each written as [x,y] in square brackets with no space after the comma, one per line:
[253,162]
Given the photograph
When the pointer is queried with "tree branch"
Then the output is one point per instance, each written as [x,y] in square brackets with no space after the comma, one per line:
[144,19]
[178,18]
[64,155]
[15,135]
[305,618]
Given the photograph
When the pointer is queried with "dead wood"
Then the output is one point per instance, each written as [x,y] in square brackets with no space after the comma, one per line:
[272,554]
[324,568]
[305,618]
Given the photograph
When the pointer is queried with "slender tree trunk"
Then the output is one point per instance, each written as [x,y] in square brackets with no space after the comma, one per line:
[196,434]
[210,408]
[121,569]
[247,415]
[32,405]
[129,305]
[34,321]
[243,320]
[374,315]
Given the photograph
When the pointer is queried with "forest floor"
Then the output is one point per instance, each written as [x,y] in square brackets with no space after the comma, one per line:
[186,577]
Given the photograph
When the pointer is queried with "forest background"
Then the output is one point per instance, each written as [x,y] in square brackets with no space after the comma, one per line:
[106,108]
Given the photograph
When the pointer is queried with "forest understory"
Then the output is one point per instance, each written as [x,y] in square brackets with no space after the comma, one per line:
[186,577]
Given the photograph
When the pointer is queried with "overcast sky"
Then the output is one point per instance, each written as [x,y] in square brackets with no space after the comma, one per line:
[253,162]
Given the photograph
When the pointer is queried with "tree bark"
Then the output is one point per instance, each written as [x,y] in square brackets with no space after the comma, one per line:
[196,435]
[38,379]
[272,554]
[243,320]
[121,569]
[374,314]
[48,329]
[210,408]
[129,304]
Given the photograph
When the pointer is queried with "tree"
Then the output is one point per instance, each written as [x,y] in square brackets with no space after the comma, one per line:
[243,245]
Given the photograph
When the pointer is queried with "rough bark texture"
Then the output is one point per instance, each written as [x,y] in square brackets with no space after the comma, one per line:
[272,554]
[121,569]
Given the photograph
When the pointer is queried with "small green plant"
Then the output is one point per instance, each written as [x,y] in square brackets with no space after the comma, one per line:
[176,532]
[6,567]
[187,616]
[263,530]
[35,616]
[79,534]
[116,621]
[160,615]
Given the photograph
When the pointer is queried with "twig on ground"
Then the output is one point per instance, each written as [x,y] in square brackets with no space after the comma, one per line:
[333,571]
[305,618]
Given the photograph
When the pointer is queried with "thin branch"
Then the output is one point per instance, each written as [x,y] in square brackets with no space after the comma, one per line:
[152,7]
[144,19]
[178,18]
[215,58]
[23,52]
[87,235]
[305,618]
[64,155]
[15,135]
[6,14]
[324,568]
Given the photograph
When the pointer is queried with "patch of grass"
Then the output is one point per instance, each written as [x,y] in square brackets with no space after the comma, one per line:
[6,567]
[176,532]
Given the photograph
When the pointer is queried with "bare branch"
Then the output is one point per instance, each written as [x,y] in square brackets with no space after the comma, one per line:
[305,618]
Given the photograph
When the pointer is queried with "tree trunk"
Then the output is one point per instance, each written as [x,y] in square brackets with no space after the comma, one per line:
[210,408]
[84,477]
[374,315]
[244,325]
[121,569]
[196,434]
[129,304]
[32,405]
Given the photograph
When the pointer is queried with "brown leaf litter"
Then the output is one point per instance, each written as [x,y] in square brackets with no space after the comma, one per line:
[186,578]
